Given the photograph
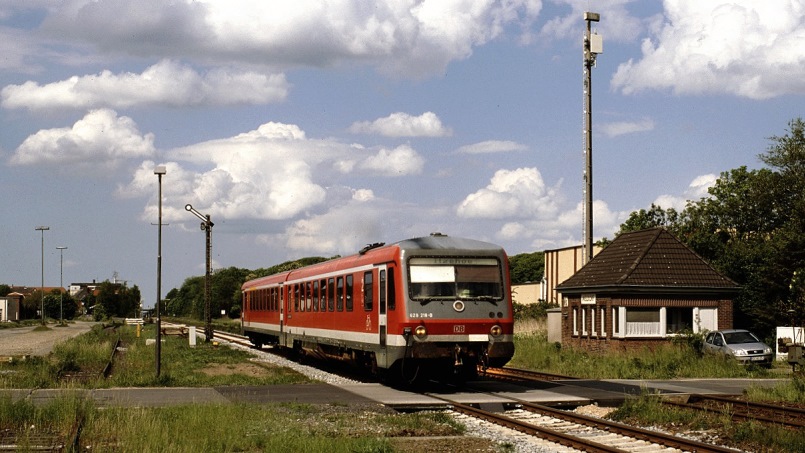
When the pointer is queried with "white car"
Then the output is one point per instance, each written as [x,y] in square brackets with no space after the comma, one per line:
[741,344]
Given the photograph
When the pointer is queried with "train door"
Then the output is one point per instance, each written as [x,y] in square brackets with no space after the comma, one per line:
[283,310]
[382,307]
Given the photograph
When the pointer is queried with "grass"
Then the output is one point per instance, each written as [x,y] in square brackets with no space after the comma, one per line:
[79,362]
[670,361]
[221,428]
[648,410]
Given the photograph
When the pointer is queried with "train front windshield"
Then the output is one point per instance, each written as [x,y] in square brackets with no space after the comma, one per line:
[455,278]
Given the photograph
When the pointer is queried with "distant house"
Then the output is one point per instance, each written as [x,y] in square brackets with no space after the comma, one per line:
[560,264]
[643,288]
[10,307]
[527,293]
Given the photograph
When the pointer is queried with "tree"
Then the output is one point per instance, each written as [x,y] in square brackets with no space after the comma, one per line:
[655,216]
[527,267]
[59,305]
[118,300]
[751,227]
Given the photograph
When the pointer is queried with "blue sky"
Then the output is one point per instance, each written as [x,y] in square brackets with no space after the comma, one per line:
[315,127]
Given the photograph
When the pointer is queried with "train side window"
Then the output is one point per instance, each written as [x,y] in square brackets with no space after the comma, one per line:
[392,292]
[331,294]
[296,300]
[368,291]
[382,291]
[349,294]
[315,295]
[323,295]
[339,294]
[309,296]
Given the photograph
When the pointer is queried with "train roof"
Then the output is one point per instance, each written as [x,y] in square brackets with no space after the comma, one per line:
[372,252]
[440,241]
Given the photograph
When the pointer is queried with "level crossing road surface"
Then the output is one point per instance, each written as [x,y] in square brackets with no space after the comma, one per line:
[564,393]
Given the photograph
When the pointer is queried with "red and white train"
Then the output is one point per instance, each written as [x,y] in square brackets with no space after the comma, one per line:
[431,306]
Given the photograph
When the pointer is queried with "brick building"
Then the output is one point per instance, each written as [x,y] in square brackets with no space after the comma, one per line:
[642,289]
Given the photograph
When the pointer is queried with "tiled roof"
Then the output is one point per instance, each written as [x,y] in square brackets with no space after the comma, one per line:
[650,258]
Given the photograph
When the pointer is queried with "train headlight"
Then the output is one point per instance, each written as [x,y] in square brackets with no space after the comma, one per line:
[496,331]
[421,331]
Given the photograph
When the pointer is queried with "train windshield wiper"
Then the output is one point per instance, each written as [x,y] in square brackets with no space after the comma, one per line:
[492,299]
[424,300]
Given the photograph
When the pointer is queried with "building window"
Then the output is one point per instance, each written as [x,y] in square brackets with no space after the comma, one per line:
[678,320]
[575,321]
[592,321]
[616,322]
[643,322]
[584,321]
[603,321]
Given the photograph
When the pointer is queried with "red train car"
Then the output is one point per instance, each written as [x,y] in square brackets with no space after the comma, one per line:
[430,306]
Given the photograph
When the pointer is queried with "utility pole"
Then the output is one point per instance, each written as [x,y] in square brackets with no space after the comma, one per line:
[593,45]
[42,229]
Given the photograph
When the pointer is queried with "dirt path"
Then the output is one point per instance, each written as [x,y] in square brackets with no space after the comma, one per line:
[25,341]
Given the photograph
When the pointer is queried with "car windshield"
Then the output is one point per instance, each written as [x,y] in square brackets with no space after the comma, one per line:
[740,337]
[455,278]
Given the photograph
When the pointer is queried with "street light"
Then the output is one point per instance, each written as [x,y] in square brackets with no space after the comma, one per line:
[42,286]
[206,226]
[159,171]
[61,250]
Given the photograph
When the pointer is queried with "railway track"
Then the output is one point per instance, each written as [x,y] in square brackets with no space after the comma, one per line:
[580,431]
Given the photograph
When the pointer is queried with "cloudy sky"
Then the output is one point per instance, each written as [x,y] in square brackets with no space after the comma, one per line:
[315,127]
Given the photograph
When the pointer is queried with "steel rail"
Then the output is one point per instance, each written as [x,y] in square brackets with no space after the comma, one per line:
[626,430]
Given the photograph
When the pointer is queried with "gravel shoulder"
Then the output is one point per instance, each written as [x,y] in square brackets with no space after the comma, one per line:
[26,341]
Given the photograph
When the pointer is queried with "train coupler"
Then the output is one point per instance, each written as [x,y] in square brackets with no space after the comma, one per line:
[457,356]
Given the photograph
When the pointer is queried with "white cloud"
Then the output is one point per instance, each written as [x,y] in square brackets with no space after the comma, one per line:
[165,83]
[616,23]
[400,161]
[403,125]
[517,193]
[274,172]
[695,191]
[744,47]
[101,138]
[491,146]
[563,229]
[614,129]
[400,37]
[337,231]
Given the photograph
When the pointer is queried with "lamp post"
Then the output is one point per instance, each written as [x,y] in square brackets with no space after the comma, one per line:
[42,286]
[61,250]
[206,226]
[593,45]
[159,171]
